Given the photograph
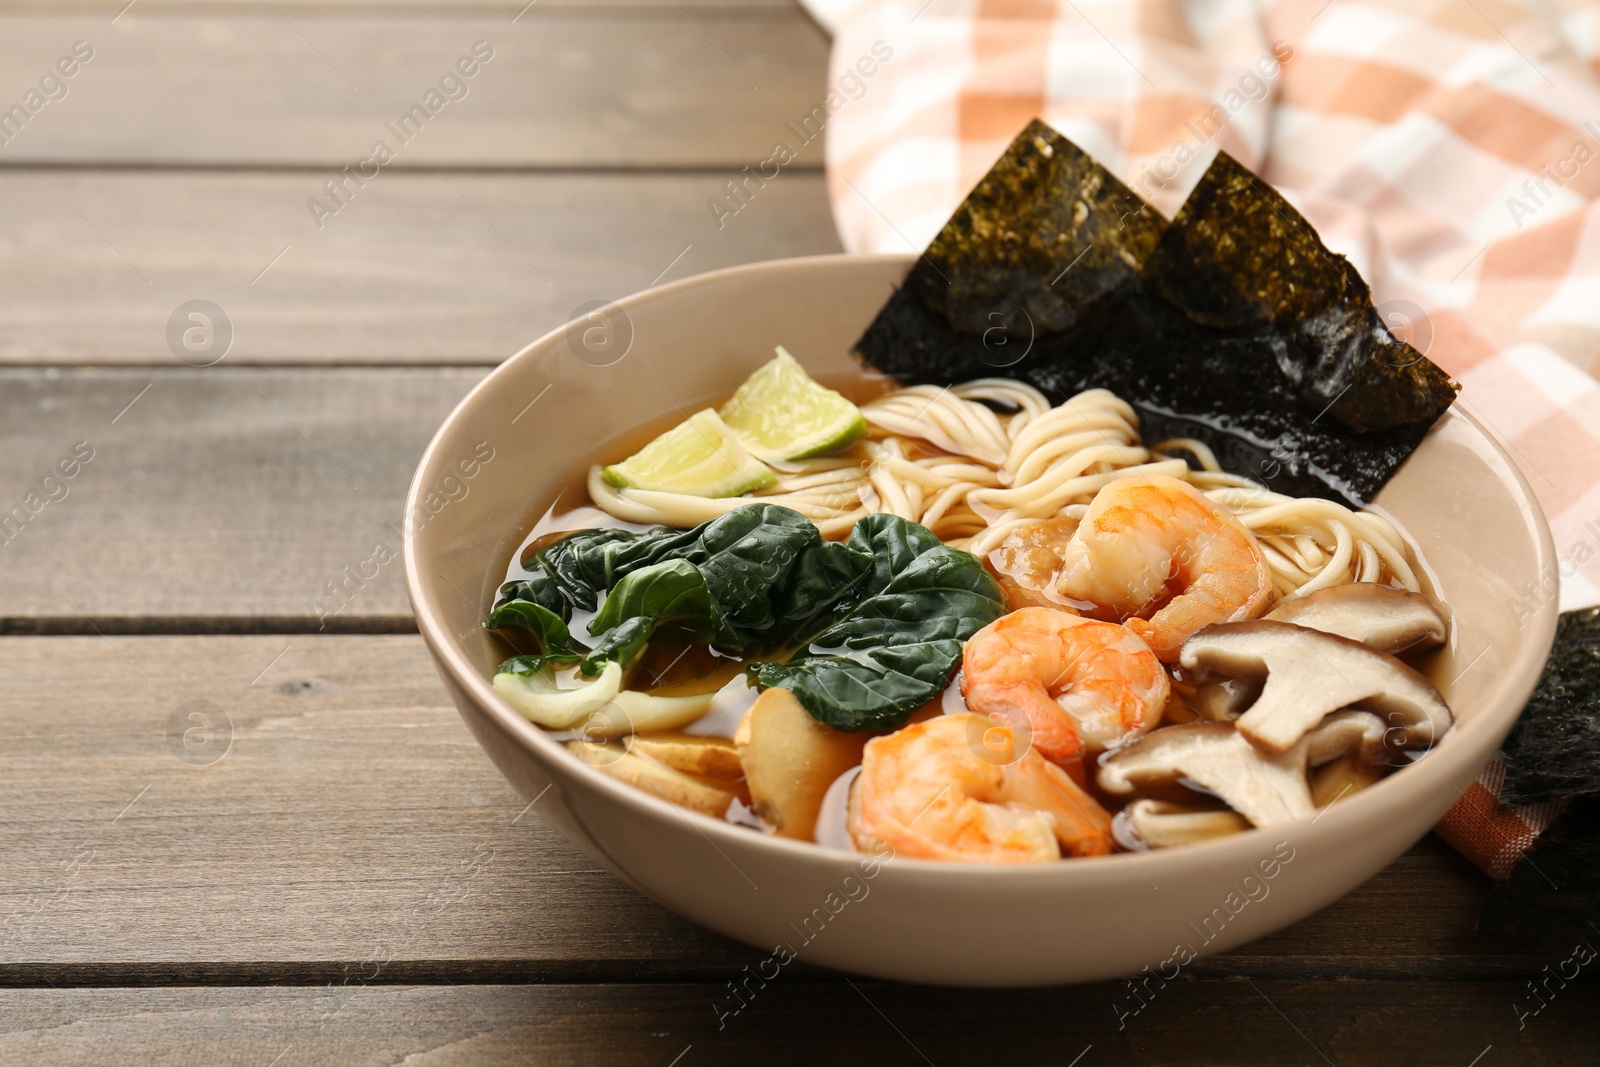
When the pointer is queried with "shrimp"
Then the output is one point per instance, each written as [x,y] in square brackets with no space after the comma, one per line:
[1160,554]
[1028,560]
[1080,685]
[952,788]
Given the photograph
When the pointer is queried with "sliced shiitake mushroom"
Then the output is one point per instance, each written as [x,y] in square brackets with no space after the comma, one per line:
[1307,675]
[1225,699]
[1346,774]
[1162,824]
[1378,616]
[1266,789]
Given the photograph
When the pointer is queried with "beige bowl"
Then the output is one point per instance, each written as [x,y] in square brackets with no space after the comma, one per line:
[497,462]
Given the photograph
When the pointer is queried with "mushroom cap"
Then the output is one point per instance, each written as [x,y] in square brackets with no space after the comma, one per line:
[1378,616]
[1309,675]
[1264,787]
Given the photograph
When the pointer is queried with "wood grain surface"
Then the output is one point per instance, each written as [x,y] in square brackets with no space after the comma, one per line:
[329,808]
[422,268]
[1237,1023]
[216,498]
[263,86]
[520,9]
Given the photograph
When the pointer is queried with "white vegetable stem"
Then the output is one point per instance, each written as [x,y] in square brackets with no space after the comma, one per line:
[601,707]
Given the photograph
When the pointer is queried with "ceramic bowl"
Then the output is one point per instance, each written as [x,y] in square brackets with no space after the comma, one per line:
[506,450]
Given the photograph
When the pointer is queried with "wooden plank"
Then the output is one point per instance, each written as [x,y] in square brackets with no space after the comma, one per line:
[1195,1022]
[353,818]
[425,268]
[222,498]
[310,88]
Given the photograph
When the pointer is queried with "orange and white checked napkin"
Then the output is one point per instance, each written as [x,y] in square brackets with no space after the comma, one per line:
[1449,148]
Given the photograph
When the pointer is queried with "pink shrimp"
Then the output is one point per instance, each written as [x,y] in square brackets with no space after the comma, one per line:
[1080,685]
[1160,554]
[953,788]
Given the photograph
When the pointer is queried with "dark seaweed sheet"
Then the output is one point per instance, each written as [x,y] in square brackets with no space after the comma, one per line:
[1553,753]
[1043,209]
[1554,749]
[1239,259]
[1238,328]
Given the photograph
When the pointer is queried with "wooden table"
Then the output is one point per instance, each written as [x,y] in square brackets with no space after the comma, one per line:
[227,888]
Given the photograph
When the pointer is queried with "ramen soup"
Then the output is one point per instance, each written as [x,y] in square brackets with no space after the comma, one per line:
[965,623]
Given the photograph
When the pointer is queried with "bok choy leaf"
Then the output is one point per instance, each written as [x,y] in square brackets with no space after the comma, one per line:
[863,632]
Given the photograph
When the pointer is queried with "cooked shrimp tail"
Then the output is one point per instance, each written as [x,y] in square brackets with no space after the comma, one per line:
[955,788]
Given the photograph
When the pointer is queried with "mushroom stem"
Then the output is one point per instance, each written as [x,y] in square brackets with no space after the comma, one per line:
[1340,777]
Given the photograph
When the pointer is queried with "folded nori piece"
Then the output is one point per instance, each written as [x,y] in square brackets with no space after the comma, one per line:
[1044,209]
[1239,328]
[1238,258]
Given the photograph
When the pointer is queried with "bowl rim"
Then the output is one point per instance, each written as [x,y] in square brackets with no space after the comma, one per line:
[1522,675]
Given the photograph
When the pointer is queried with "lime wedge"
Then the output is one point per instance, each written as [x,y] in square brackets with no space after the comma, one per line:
[701,457]
[781,414]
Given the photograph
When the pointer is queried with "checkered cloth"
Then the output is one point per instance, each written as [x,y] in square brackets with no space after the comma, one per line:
[1449,148]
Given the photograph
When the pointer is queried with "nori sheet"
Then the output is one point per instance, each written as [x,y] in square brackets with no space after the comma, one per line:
[1238,327]
[1552,895]
[1044,209]
[1554,749]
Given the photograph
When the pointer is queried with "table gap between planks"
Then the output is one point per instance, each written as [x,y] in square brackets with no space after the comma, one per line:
[343,877]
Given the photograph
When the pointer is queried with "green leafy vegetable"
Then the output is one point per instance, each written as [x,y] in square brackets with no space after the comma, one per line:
[726,582]
[883,656]
[526,665]
[671,596]
[548,629]
[569,573]
[864,632]
[622,644]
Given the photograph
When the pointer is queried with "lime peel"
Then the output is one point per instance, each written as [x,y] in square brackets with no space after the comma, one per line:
[700,457]
[782,414]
